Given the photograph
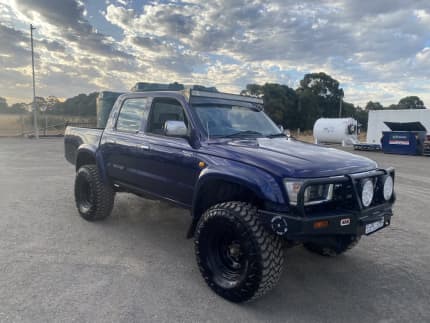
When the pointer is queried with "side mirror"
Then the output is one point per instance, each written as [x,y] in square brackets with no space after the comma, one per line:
[174,128]
[281,127]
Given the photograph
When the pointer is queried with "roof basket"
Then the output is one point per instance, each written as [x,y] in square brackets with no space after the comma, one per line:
[197,87]
[226,96]
[145,87]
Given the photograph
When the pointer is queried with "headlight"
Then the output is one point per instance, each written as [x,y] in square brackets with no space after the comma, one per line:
[367,192]
[313,194]
[388,188]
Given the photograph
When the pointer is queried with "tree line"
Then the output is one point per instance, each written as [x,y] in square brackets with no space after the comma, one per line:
[80,105]
[318,95]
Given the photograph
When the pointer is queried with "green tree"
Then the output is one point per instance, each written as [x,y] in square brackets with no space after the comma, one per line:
[40,103]
[18,108]
[82,105]
[327,91]
[411,102]
[51,102]
[392,107]
[373,106]
[3,105]
[308,108]
[280,102]
[362,116]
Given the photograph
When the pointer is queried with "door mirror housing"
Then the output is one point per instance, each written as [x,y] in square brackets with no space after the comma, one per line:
[175,128]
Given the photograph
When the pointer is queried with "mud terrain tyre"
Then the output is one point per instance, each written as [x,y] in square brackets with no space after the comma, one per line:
[338,246]
[93,198]
[237,257]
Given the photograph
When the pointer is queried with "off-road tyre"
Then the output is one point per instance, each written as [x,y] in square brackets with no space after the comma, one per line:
[261,253]
[94,199]
[338,246]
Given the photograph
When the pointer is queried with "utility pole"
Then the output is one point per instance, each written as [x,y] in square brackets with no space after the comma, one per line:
[36,129]
[340,106]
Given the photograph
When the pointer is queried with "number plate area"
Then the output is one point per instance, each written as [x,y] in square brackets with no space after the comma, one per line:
[372,227]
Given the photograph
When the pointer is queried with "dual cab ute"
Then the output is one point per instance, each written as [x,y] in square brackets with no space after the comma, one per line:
[250,189]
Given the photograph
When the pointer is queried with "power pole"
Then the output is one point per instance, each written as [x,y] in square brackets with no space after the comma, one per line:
[340,106]
[36,128]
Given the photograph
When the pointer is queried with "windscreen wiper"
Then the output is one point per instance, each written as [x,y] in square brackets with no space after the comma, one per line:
[243,134]
[276,135]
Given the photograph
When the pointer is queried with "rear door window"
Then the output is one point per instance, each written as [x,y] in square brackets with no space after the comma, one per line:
[133,112]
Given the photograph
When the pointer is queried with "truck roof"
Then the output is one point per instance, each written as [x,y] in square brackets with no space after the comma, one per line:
[189,94]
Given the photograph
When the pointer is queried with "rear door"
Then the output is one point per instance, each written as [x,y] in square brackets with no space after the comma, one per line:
[121,145]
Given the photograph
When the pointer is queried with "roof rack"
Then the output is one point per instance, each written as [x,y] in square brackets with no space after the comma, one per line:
[227,96]
[194,90]
[146,87]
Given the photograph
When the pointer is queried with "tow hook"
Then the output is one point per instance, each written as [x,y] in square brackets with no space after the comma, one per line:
[279,225]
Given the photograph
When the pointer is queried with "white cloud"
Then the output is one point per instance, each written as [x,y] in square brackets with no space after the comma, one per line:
[378,50]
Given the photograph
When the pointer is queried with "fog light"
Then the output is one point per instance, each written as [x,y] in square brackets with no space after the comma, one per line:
[320,224]
[388,188]
[367,192]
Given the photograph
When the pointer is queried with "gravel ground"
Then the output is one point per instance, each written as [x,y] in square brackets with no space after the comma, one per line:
[137,265]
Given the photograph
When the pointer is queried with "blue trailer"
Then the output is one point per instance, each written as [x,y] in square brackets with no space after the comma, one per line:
[405,138]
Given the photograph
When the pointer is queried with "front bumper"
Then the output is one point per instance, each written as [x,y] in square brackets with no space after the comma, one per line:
[338,223]
[300,226]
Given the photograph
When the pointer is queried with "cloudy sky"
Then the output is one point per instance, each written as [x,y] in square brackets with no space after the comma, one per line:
[377,49]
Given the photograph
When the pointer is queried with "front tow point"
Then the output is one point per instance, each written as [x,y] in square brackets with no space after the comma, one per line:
[279,225]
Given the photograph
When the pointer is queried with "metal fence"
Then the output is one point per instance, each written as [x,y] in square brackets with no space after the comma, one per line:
[49,125]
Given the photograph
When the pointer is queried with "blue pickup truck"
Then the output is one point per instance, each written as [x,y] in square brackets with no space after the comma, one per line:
[251,190]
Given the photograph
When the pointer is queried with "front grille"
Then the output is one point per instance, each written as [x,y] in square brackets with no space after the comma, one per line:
[343,199]
[344,196]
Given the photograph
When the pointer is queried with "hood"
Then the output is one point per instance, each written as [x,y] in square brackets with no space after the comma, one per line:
[291,158]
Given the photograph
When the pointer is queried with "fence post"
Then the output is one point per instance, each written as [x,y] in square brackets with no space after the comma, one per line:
[46,124]
[22,124]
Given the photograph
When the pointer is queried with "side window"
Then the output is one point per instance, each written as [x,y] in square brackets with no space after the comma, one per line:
[131,115]
[162,110]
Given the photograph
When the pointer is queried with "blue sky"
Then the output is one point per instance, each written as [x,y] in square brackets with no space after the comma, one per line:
[378,50]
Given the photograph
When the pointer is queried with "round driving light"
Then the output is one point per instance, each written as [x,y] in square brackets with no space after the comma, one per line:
[367,193]
[388,188]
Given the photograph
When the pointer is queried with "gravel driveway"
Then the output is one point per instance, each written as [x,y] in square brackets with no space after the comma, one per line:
[137,266]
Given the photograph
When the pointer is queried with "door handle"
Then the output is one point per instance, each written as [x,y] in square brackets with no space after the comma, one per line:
[143,147]
[187,153]
[110,141]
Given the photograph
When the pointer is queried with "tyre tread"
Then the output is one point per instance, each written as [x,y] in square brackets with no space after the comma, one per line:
[104,195]
[270,247]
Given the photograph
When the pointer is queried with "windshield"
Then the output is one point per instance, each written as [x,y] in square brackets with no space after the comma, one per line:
[231,120]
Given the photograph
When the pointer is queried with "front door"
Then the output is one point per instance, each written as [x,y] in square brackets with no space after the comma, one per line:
[170,163]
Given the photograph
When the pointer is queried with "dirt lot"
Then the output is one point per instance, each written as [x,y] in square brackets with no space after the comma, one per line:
[137,266]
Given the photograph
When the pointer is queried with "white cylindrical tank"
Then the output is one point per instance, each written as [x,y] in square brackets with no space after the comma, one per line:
[336,130]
